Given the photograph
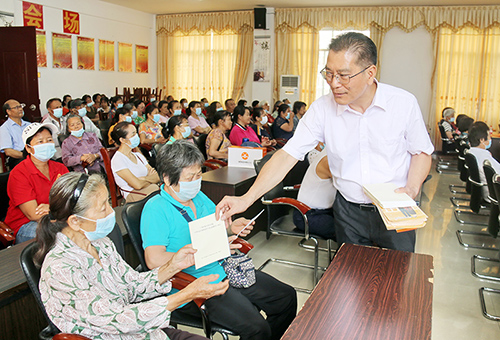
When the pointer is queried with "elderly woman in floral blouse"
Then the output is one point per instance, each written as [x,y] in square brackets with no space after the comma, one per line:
[87,288]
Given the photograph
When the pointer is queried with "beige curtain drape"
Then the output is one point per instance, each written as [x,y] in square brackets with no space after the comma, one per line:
[204,55]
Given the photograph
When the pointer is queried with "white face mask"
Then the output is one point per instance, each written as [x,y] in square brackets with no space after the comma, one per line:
[263,120]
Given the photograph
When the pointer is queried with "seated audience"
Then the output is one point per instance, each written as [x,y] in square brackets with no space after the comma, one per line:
[140,108]
[299,109]
[464,126]
[123,114]
[184,105]
[448,119]
[217,143]
[150,130]
[318,193]
[104,108]
[54,117]
[242,133]
[264,104]
[78,107]
[174,107]
[30,182]
[116,103]
[230,105]
[66,99]
[169,98]
[177,129]
[283,125]
[259,119]
[11,142]
[165,230]
[204,106]
[133,175]
[81,149]
[96,98]
[88,288]
[480,142]
[255,104]
[164,112]
[89,105]
[242,102]
[196,121]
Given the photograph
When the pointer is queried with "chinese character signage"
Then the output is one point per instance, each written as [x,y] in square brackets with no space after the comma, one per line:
[61,50]
[71,22]
[106,55]
[85,48]
[41,49]
[141,59]
[33,15]
[124,57]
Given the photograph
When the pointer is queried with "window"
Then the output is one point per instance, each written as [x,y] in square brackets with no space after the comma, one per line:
[325,37]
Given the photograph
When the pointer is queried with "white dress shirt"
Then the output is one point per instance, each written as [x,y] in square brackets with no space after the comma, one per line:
[49,119]
[373,147]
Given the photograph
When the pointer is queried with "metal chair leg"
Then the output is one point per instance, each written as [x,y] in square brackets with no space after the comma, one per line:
[453,188]
[479,275]
[455,201]
[486,314]
[476,233]
[302,244]
[459,212]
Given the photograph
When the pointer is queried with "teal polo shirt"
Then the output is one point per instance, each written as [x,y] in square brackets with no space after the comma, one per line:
[163,225]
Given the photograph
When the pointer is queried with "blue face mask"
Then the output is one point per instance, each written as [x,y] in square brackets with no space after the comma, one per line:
[489,145]
[82,112]
[90,104]
[220,109]
[156,118]
[44,152]
[128,119]
[177,112]
[206,104]
[134,141]
[78,133]
[134,114]
[58,112]
[290,105]
[188,190]
[198,111]
[452,119]
[187,132]
[288,115]
[103,226]
[119,105]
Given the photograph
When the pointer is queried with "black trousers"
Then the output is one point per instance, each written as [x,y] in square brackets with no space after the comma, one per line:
[360,225]
[177,334]
[239,309]
[320,222]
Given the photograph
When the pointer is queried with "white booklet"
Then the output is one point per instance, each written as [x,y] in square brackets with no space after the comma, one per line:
[383,195]
[209,238]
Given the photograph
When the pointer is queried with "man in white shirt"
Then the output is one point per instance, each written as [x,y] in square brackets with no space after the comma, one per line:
[54,116]
[480,142]
[78,107]
[373,132]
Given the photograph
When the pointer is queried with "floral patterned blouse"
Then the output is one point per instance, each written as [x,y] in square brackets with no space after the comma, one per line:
[151,132]
[102,302]
[216,136]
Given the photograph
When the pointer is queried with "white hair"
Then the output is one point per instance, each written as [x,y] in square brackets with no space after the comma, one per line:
[263,102]
[448,112]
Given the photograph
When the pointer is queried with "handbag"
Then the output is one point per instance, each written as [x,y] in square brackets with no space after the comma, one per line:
[239,269]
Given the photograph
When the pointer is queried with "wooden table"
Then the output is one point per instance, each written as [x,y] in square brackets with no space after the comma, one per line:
[369,293]
[232,181]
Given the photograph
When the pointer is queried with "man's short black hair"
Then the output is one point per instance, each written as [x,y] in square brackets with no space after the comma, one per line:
[94,97]
[52,100]
[75,103]
[359,44]
[477,132]
[5,107]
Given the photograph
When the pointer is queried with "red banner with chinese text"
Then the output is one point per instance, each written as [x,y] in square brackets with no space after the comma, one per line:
[71,22]
[33,15]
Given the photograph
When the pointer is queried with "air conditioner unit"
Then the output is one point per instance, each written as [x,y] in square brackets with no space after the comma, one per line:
[290,88]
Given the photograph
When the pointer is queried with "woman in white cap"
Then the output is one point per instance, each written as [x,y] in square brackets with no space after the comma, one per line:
[30,181]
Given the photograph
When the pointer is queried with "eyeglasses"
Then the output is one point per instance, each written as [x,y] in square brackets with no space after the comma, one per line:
[18,107]
[343,79]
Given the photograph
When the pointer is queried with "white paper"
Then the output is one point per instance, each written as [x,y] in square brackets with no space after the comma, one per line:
[209,238]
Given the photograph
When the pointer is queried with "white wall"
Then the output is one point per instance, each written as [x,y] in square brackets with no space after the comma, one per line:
[98,20]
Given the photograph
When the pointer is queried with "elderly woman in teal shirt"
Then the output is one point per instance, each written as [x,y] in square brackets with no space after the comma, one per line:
[165,230]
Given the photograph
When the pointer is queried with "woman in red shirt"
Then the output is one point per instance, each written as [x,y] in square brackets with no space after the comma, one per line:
[30,181]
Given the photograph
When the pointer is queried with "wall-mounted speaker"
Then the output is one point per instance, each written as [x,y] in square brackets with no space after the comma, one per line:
[260,18]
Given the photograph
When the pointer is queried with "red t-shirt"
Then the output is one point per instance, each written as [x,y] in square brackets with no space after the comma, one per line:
[27,183]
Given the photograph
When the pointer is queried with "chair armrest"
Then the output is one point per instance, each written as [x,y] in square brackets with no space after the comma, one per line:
[245,245]
[5,227]
[181,280]
[211,166]
[281,141]
[295,187]
[303,208]
[66,336]
[216,161]
[6,235]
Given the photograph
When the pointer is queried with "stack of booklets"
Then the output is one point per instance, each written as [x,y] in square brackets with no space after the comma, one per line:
[399,212]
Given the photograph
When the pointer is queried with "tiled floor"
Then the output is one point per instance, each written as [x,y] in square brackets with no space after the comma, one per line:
[456,307]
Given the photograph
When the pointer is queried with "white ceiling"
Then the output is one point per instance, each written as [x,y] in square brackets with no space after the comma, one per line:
[191,6]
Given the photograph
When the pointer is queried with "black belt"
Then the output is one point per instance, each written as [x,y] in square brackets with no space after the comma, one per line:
[364,207]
